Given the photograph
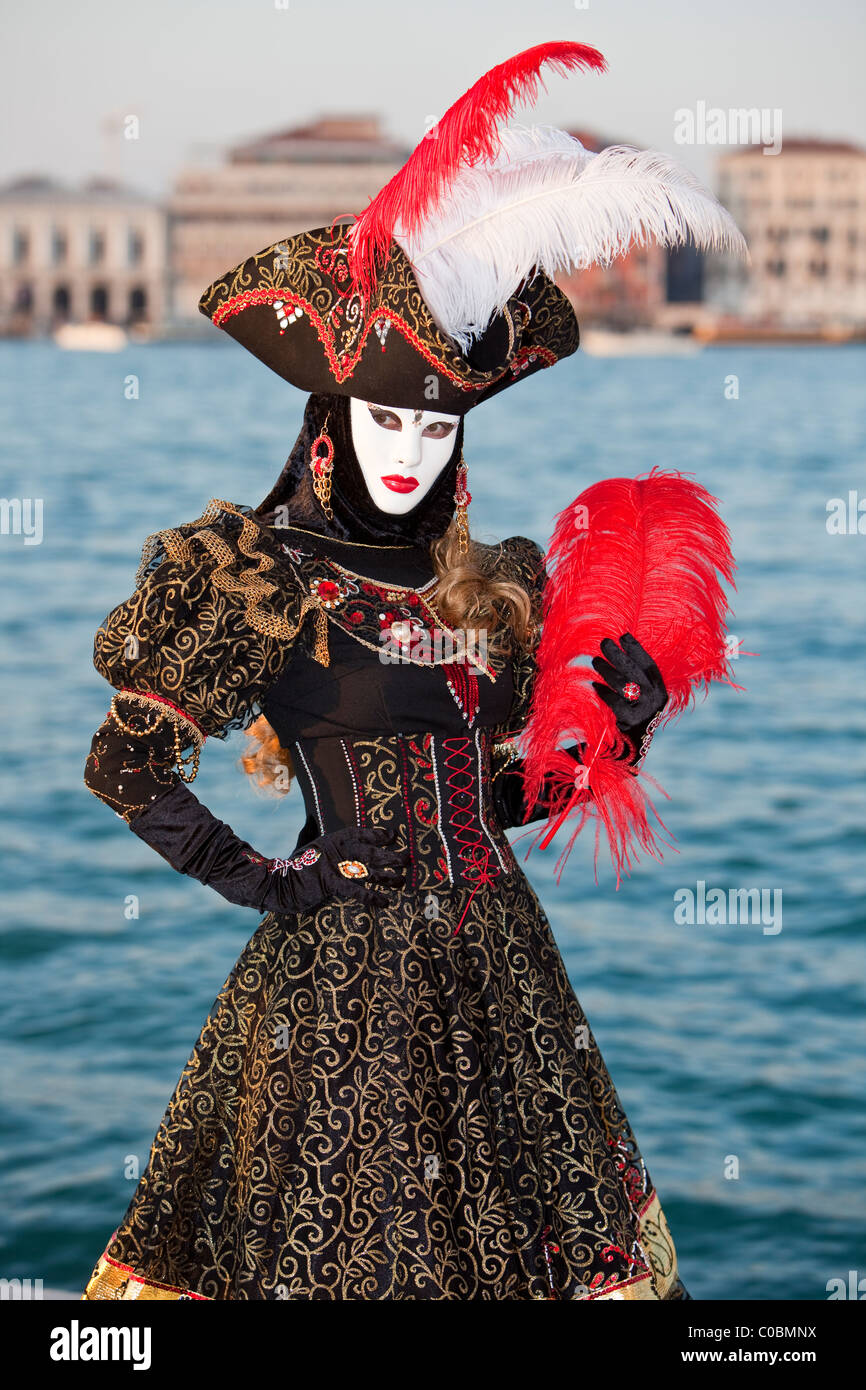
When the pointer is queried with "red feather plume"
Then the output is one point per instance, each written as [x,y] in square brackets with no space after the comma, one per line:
[644,556]
[464,135]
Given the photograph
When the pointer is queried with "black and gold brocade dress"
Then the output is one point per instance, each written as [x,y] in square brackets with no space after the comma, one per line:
[392,1102]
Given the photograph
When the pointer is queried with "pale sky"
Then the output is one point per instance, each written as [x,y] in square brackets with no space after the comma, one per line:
[203,75]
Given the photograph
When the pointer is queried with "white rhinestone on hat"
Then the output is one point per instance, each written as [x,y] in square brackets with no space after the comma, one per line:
[286,313]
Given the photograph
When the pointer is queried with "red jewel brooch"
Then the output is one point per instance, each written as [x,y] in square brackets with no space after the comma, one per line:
[328,592]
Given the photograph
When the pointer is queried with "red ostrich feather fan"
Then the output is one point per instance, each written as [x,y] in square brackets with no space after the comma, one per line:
[466,134]
[645,556]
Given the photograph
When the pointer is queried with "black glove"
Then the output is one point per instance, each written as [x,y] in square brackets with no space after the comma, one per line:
[132,768]
[633,718]
[630,665]
[180,828]
[508,798]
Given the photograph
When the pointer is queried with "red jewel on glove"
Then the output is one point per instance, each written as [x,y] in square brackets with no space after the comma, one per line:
[631,691]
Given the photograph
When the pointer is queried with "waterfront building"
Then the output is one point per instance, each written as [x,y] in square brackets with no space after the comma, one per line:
[76,255]
[803,213]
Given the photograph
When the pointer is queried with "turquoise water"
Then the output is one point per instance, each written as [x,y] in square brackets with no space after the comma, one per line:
[725,1042]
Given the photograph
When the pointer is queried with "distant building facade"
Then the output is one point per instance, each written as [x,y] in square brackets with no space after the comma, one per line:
[76,255]
[803,213]
[103,252]
[268,189]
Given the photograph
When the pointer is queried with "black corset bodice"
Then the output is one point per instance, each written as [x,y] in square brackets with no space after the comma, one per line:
[390,743]
[433,790]
[343,649]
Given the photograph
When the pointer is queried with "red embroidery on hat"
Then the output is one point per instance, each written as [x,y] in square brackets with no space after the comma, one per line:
[343,367]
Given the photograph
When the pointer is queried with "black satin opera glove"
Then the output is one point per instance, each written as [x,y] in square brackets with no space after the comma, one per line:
[132,767]
[180,828]
[626,666]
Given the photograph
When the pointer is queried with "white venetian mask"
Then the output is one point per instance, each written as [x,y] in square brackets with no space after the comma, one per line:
[400,452]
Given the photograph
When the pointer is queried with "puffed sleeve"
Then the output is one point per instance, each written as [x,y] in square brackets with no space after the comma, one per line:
[210,622]
[190,654]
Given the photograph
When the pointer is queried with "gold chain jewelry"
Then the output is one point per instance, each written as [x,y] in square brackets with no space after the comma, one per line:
[462,497]
[647,740]
[183,763]
[320,646]
[506,750]
[321,467]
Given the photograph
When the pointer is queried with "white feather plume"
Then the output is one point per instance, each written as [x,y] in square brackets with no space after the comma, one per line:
[547,203]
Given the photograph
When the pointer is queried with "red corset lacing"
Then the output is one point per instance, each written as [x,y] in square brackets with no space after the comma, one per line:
[478,860]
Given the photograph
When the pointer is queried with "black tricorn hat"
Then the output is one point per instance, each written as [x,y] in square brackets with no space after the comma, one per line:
[440,293]
[296,307]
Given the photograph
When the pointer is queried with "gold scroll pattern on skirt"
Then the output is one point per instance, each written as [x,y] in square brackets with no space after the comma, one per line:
[381,1106]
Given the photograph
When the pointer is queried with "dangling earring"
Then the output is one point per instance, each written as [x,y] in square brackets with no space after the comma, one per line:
[321,466]
[462,497]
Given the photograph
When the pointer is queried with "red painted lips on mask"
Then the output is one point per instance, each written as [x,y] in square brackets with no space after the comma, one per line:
[397,483]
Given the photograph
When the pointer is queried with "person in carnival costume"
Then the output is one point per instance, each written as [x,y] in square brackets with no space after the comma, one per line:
[397,1093]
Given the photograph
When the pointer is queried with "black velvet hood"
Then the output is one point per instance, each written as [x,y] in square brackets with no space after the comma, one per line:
[356,517]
